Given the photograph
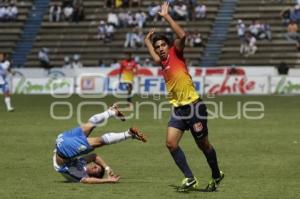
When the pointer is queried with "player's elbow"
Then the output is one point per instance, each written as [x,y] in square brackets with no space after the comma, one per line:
[86,181]
[183,36]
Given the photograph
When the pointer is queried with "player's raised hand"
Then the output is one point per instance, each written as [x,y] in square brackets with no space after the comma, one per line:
[150,33]
[164,9]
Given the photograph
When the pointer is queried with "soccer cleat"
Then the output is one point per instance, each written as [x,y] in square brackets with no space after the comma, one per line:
[214,183]
[136,134]
[10,110]
[118,114]
[188,184]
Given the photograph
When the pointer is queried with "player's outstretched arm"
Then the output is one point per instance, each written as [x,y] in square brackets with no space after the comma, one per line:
[92,180]
[181,35]
[150,47]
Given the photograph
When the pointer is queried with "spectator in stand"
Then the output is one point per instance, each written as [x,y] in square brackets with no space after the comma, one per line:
[43,56]
[141,18]
[152,11]
[132,22]
[254,28]
[112,18]
[295,14]
[200,11]
[292,34]
[76,63]
[134,39]
[191,9]
[249,47]
[2,13]
[78,13]
[118,3]
[197,39]
[194,39]
[285,15]
[67,63]
[101,31]
[110,31]
[265,31]
[123,19]
[180,11]
[241,29]
[54,13]
[68,12]
[12,12]
[5,12]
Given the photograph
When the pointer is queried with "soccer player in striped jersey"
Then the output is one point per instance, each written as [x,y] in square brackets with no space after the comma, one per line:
[128,69]
[70,157]
[4,71]
[189,112]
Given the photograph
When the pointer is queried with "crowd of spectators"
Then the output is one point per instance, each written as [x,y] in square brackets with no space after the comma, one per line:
[8,10]
[137,20]
[291,18]
[68,10]
[249,36]
[179,10]
[72,62]
[134,20]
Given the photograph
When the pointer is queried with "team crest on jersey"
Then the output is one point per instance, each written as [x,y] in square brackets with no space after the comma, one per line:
[198,127]
[82,148]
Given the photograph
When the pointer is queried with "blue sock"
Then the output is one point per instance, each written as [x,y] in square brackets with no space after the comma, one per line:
[212,161]
[181,162]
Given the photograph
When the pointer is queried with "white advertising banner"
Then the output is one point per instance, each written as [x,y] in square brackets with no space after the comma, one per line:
[285,85]
[240,85]
[43,86]
[144,71]
[97,84]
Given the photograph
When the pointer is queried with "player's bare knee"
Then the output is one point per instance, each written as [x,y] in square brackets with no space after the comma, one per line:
[171,145]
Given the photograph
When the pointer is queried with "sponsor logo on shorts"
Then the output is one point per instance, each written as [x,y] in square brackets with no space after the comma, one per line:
[198,127]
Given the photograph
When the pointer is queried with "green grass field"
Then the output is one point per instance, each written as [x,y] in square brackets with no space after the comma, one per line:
[260,158]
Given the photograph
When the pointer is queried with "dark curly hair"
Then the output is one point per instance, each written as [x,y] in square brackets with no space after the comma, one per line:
[99,174]
[158,37]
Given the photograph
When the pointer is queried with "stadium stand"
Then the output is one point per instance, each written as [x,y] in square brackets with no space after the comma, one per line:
[68,38]
[269,52]
[10,31]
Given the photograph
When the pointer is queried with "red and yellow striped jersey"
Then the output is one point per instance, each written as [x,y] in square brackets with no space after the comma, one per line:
[128,69]
[179,83]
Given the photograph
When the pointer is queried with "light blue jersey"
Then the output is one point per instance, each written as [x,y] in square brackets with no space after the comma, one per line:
[73,171]
[72,143]
[4,66]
